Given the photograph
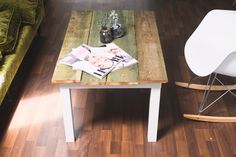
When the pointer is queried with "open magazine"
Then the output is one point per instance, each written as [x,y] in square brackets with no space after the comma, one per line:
[98,61]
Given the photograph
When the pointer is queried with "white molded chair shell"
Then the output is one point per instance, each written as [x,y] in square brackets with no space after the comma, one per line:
[212,46]
[228,66]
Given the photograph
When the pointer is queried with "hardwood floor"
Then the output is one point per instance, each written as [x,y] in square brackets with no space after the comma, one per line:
[113,123]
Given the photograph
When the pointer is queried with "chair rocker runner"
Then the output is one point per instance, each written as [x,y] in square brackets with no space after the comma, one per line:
[203,87]
[211,50]
[203,105]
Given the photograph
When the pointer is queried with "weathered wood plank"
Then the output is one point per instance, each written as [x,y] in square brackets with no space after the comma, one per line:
[150,57]
[128,75]
[94,40]
[77,33]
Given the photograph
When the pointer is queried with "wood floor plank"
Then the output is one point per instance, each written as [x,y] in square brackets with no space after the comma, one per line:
[181,143]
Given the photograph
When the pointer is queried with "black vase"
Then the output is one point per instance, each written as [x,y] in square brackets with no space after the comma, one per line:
[106,35]
[118,31]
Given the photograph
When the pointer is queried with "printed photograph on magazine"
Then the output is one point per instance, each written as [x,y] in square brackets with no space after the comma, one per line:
[95,61]
[127,60]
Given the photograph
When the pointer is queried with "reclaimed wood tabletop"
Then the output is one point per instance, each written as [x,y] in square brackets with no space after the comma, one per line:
[141,42]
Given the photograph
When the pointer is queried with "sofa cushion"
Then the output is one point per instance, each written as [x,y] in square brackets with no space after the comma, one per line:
[27,8]
[9,28]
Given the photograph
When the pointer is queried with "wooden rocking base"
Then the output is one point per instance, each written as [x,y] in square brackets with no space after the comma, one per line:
[203,87]
[209,118]
[213,88]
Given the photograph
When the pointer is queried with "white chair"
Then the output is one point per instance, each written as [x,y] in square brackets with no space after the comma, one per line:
[211,50]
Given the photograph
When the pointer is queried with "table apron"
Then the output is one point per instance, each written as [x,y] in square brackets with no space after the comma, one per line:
[77,86]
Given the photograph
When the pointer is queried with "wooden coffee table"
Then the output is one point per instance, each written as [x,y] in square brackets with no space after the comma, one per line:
[141,41]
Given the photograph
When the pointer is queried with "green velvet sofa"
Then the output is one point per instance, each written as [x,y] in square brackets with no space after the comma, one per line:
[12,61]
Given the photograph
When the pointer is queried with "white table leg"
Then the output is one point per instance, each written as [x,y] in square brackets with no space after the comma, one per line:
[67,114]
[154,104]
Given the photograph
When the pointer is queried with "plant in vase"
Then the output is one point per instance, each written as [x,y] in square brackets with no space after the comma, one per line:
[116,28]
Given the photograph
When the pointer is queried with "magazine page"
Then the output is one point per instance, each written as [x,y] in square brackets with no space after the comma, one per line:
[75,55]
[127,60]
[69,59]
[95,61]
